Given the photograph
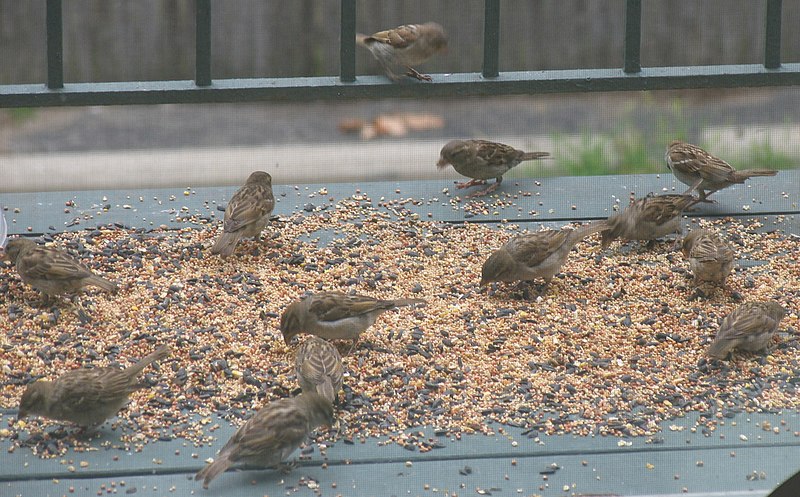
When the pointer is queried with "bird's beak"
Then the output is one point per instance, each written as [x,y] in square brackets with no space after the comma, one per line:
[442,163]
[22,415]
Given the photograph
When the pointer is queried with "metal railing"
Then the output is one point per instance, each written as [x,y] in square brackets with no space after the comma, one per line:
[490,81]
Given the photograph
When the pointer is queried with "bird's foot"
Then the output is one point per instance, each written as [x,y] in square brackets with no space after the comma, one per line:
[472,182]
[413,73]
[484,192]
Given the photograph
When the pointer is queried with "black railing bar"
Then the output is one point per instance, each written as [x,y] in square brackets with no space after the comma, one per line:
[347,42]
[633,36]
[491,39]
[772,44]
[443,85]
[202,62]
[55,46]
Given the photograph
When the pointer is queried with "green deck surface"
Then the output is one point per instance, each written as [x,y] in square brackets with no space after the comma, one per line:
[677,461]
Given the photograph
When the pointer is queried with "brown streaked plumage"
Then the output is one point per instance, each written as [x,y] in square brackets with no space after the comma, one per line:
[711,259]
[52,271]
[482,160]
[335,315]
[272,434]
[405,46]
[86,397]
[704,172]
[535,255]
[319,368]
[247,213]
[749,327]
[648,218]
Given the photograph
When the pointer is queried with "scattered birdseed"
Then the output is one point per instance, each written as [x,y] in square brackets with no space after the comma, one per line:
[615,340]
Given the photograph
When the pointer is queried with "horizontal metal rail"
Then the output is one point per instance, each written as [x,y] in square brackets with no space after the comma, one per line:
[631,77]
[462,84]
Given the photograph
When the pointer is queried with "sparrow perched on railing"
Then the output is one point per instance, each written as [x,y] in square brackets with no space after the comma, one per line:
[52,271]
[535,255]
[648,218]
[482,160]
[749,327]
[247,213]
[272,434]
[711,259]
[319,368]
[335,315]
[405,46]
[86,397]
[703,172]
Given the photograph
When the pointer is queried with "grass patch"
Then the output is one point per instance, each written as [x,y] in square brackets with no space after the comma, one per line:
[21,114]
[764,156]
[588,158]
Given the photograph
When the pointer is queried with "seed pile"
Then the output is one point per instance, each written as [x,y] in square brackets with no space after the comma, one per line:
[614,346]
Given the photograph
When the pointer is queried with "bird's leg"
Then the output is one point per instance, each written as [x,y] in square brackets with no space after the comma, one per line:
[677,243]
[286,467]
[77,307]
[353,346]
[491,188]
[544,286]
[470,183]
[43,302]
[413,73]
[86,432]
[694,187]
[704,196]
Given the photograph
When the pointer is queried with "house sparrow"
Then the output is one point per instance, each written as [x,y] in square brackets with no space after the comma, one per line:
[482,160]
[334,315]
[272,434]
[86,397]
[319,368]
[50,270]
[648,218]
[710,257]
[405,46]
[749,327]
[702,171]
[535,255]
[247,213]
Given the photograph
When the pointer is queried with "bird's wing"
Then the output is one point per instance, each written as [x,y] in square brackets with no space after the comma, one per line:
[746,323]
[532,249]
[335,306]
[250,204]
[51,264]
[399,37]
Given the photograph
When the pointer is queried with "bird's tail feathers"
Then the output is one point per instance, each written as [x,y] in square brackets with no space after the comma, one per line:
[212,470]
[225,244]
[592,228]
[102,284]
[361,39]
[160,353]
[326,390]
[535,155]
[740,176]
[580,233]
[405,302]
